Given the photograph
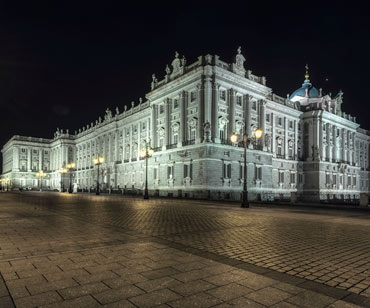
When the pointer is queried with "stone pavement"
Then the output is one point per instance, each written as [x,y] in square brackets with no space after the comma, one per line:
[61,250]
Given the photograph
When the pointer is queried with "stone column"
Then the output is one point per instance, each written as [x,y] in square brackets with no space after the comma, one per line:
[148,136]
[29,157]
[207,102]
[247,112]
[201,103]
[344,150]
[167,134]
[138,141]
[231,98]
[123,144]
[263,123]
[153,125]
[40,159]
[330,146]
[116,150]
[295,140]
[273,138]
[316,137]
[214,124]
[335,156]
[322,152]
[182,136]
[286,138]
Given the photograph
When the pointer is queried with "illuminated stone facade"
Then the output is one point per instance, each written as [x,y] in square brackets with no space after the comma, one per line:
[309,147]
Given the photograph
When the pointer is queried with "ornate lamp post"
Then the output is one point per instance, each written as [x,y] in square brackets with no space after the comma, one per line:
[246,140]
[62,172]
[98,161]
[41,175]
[146,153]
[70,166]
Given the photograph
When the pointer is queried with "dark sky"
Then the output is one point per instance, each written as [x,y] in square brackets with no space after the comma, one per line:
[62,65]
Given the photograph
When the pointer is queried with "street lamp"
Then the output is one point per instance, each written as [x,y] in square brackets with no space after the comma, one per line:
[257,134]
[62,172]
[70,166]
[41,175]
[98,161]
[146,153]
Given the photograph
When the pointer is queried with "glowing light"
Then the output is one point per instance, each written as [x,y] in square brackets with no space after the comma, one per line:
[234,138]
[98,160]
[258,133]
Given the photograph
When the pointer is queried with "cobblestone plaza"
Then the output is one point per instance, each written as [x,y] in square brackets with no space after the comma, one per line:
[68,250]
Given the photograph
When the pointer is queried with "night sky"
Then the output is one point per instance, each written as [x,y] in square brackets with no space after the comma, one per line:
[63,65]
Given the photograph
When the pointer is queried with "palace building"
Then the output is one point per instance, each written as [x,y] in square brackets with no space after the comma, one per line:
[309,147]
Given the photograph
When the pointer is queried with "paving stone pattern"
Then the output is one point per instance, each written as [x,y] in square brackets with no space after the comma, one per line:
[62,250]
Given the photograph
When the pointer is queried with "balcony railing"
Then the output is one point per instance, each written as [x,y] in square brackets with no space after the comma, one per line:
[172,146]
[157,149]
[134,159]
[280,156]
[126,160]
[188,142]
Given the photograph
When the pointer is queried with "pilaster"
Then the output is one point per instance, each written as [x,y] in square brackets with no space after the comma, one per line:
[29,156]
[273,138]
[286,138]
[201,104]
[167,123]
[263,123]
[214,124]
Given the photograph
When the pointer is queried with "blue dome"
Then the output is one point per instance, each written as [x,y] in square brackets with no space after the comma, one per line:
[312,91]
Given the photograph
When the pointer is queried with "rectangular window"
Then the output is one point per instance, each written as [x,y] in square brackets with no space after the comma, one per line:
[281,176]
[161,109]
[267,118]
[258,173]
[349,180]
[354,181]
[226,170]
[327,178]
[170,171]
[239,100]
[188,170]
[192,134]
[290,124]
[161,142]
[23,150]
[280,121]
[223,95]
[175,139]
[334,179]
[292,178]
[254,106]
